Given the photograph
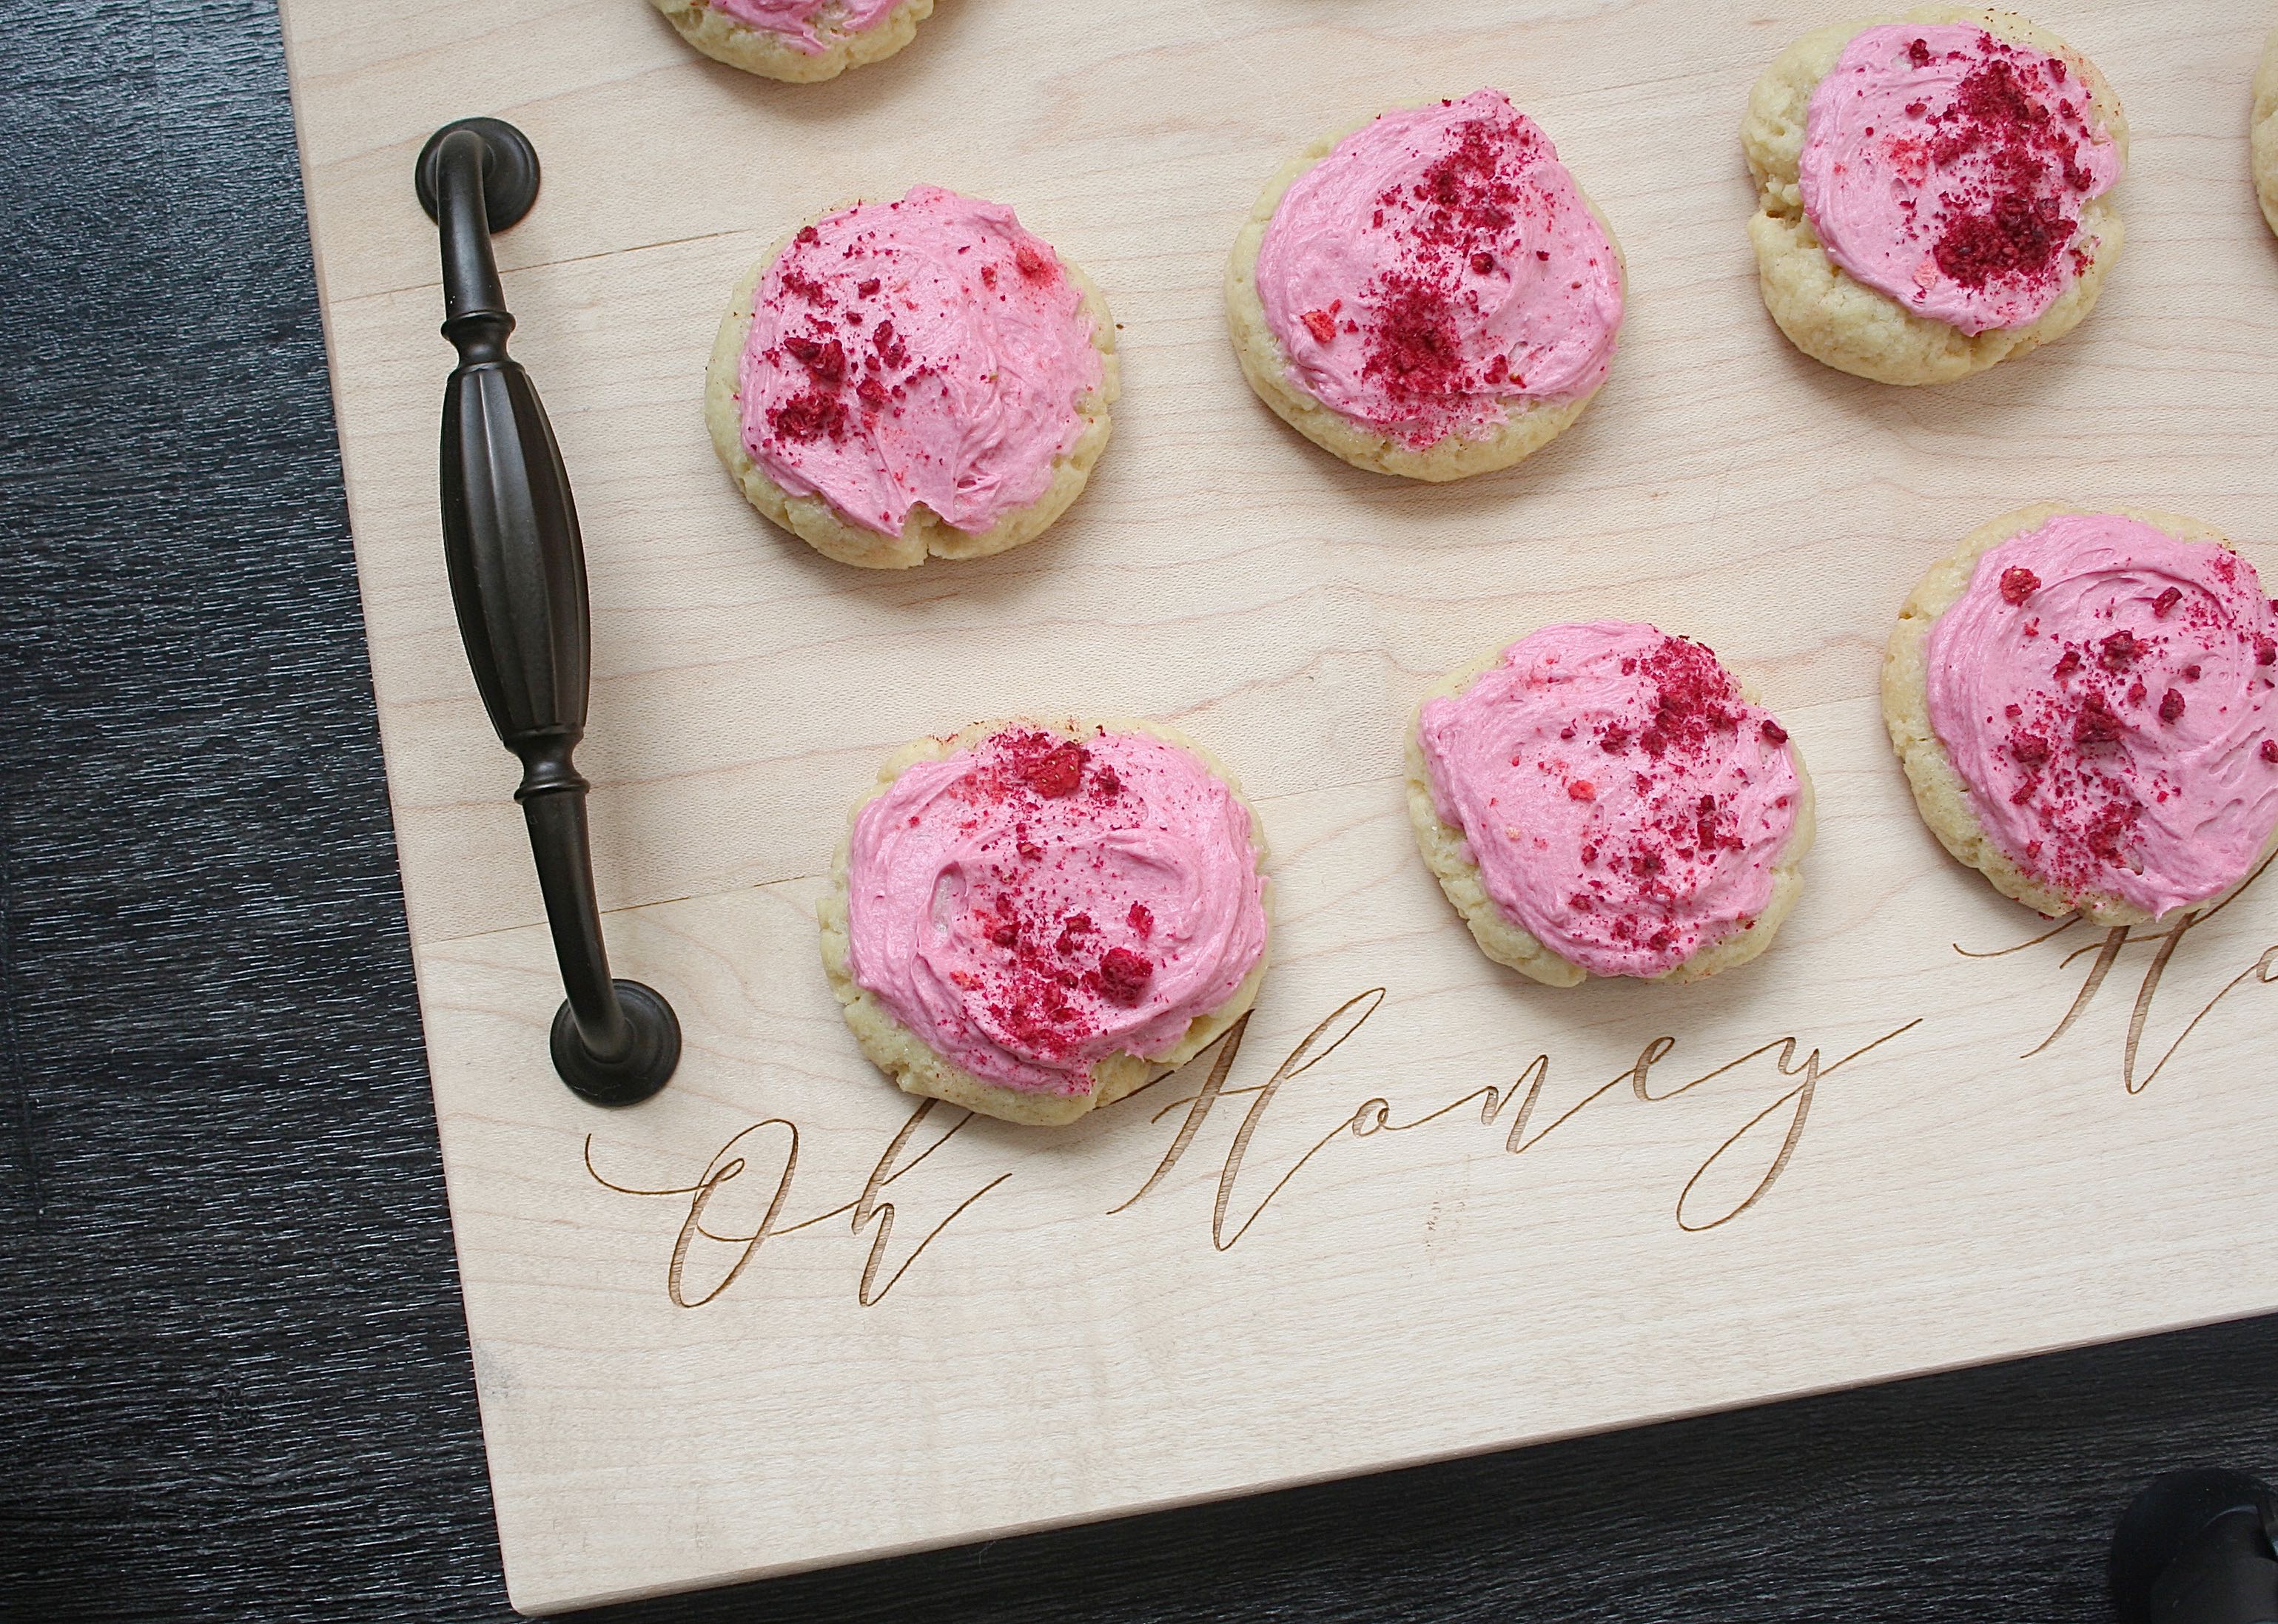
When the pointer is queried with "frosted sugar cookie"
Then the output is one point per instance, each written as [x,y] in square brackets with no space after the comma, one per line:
[801,40]
[909,378]
[1606,800]
[2086,704]
[2265,132]
[1033,918]
[1932,191]
[1431,296]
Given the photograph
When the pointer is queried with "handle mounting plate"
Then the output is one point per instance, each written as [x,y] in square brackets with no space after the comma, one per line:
[509,172]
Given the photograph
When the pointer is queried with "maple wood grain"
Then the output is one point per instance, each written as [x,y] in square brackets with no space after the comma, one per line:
[1947,1197]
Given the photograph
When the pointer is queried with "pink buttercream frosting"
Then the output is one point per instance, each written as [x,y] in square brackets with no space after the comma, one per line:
[927,350]
[1946,168]
[1625,805]
[2106,693]
[797,20]
[1032,905]
[1438,269]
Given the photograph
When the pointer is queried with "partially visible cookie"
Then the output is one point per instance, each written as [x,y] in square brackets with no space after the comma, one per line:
[1932,191]
[1604,799]
[913,378]
[2263,145]
[2086,704]
[1033,918]
[799,41]
[1431,296]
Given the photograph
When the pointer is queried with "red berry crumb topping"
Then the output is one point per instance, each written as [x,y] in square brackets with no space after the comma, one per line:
[1048,966]
[1123,977]
[2013,225]
[1058,772]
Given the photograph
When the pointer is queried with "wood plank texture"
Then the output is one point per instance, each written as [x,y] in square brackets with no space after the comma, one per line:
[1056,1349]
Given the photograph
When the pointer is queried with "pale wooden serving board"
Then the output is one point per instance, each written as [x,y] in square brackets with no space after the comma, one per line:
[1000,1337]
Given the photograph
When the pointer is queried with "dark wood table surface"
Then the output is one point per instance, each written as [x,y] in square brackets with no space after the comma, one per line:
[234,1376]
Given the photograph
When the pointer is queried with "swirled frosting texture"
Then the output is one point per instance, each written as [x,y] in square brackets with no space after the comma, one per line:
[796,20]
[927,350]
[1439,269]
[1946,168]
[2104,691]
[1625,805]
[1033,904]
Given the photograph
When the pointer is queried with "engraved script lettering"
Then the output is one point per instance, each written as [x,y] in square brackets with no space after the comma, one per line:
[1734,1177]
[2103,956]
[869,1208]
[1373,1115]
[729,1163]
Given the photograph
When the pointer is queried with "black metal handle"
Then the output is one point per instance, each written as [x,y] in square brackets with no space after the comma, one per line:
[2195,1548]
[517,570]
